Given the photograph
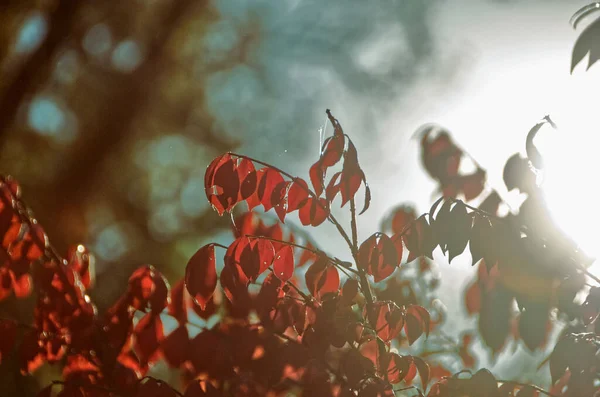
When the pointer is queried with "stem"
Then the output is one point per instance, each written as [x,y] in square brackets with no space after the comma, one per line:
[335,261]
[364,282]
[353,227]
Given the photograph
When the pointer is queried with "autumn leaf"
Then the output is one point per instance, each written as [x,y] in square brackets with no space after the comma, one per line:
[201,275]
[283,264]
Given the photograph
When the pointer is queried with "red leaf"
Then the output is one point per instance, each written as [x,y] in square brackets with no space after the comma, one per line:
[283,264]
[177,306]
[413,328]
[248,177]
[378,255]
[222,189]
[8,330]
[175,347]
[82,261]
[234,284]
[422,315]
[278,199]
[321,278]
[317,175]
[267,184]
[297,195]
[268,297]
[314,212]
[401,218]
[149,334]
[210,172]
[249,260]
[352,175]
[255,257]
[333,148]
[265,251]
[148,287]
[333,187]
[423,369]
[398,367]
[389,320]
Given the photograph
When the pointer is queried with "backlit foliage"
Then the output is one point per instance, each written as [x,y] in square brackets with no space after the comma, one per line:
[274,314]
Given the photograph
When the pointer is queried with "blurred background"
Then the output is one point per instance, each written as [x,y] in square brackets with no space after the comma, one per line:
[111,111]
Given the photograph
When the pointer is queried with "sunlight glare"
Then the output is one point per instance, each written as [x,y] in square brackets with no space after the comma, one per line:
[572,160]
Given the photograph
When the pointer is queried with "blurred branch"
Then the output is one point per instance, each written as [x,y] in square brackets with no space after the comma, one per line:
[36,68]
[129,95]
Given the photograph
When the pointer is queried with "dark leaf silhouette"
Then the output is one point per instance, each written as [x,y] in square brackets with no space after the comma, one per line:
[587,43]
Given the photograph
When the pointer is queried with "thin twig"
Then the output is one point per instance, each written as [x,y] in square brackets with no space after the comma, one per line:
[335,261]
[364,282]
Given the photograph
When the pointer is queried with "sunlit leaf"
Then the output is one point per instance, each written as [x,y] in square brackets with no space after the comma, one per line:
[201,275]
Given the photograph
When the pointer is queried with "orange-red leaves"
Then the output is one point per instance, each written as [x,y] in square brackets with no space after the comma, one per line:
[401,368]
[297,195]
[148,287]
[201,275]
[389,320]
[268,182]
[248,179]
[148,336]
[8,330]
[322,278]
[314,212]
[473,298]
[234,284]
[82,261]
[255,257]
[422,317]
[283,264]
[378,255]
[222,183]
[333,147]
[268,297]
